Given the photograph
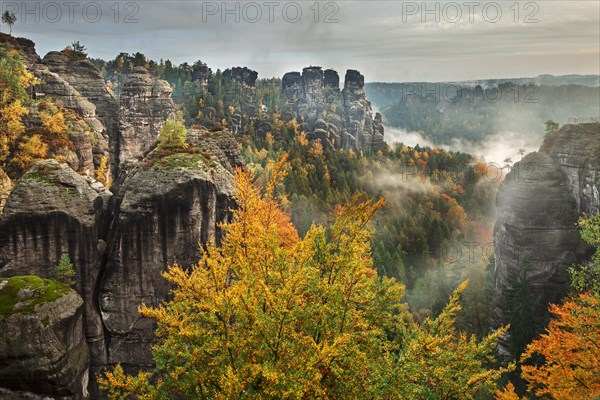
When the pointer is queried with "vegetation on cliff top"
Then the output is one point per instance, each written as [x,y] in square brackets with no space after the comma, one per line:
[34,291]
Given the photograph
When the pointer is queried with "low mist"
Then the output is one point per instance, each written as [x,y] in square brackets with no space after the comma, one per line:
[494,148]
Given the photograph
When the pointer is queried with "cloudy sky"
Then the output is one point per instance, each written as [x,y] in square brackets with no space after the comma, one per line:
[389,40]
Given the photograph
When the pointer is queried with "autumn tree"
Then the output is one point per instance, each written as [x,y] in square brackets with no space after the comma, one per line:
[439,362]
[53,119]
[14,82]
[173,134]
[268,315]
[30,150]
[103,173]
[571,351]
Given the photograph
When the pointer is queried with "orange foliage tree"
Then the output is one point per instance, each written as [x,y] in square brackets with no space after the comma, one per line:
[571,349]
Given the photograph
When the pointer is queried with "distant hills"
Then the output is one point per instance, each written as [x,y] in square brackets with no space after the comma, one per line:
[474,110]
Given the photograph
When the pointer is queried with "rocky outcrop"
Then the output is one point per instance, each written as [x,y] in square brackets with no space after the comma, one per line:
[242,75]
[166,204]
[339,119]
[56,73]
[145,105]
[5,188]
[167,207]
[537,207]
[43,351]
[86,79]
[576,149]
[53,211]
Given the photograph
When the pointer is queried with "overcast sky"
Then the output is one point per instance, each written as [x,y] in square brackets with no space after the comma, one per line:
[386,40]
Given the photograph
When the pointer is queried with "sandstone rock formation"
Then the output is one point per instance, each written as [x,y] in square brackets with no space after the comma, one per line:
[167,207]
[42,347]
[145,104]
[339,119]
[538,205]
[92,141]
[53,211]
[87,80]
[119,245]
[242,75]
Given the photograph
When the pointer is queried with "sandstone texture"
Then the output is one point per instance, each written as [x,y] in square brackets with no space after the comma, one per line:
[145,104]
[538,205]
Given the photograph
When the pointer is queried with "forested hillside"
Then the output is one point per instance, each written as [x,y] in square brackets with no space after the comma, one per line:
[445,112]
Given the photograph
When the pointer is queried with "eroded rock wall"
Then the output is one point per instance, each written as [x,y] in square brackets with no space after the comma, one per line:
[145,104]
[538,205]
[339,119]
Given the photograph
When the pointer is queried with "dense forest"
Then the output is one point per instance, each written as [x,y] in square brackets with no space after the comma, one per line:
[342,274]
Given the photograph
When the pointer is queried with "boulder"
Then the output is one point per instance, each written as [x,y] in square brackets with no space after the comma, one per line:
[42,346]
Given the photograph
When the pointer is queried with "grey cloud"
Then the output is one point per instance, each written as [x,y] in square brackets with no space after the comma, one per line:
[370,36]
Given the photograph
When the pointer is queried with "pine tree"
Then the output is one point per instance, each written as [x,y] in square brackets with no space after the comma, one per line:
[64,270]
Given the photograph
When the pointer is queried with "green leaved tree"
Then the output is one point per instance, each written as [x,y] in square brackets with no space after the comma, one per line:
[173,134]
[64,270]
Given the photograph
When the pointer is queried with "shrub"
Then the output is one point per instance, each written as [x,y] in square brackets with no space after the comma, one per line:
[64,270]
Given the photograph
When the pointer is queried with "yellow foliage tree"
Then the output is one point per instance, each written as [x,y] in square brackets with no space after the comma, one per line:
[15,80]
[103,173]
[54,122]
[31,150]
[11,126]
[268,315]
[173,134]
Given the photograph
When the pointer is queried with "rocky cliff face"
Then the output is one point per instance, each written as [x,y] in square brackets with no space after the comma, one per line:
[339,119]
[87,80]
[42,347]
[53,211]
[119,247]
[538,205]
[145,104]
[168,206]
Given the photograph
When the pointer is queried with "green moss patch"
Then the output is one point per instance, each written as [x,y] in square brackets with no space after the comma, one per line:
[39,177]
[43,291]
[179,161]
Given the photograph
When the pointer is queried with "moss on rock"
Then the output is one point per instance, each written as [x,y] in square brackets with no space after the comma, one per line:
[22,294]
[180,161]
